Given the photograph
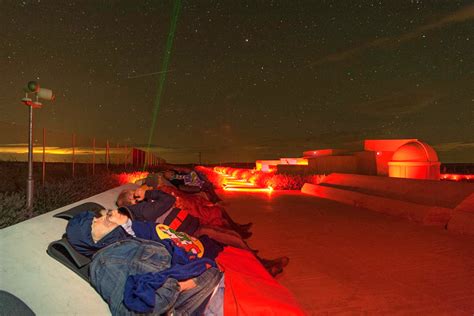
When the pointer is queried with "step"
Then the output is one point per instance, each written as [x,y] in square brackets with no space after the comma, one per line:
[424,214]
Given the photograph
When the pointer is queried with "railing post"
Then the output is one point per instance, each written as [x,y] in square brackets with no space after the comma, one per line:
[125,156]
[117,154]
[44,156]
[93,156]
[107,156]
[73,154]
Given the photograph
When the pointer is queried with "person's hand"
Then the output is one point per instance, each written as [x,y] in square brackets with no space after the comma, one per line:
[187,285]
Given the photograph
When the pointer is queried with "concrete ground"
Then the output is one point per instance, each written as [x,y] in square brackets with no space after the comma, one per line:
[351,261]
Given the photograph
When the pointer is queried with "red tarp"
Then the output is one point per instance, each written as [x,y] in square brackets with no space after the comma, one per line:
[250,289]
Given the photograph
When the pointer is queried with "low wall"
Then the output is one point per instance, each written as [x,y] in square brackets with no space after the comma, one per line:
[429,192]
[462,220]
[424,214]
[448,204]
[44,284]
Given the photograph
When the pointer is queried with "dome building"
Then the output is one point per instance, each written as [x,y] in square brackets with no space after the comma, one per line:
[415,160]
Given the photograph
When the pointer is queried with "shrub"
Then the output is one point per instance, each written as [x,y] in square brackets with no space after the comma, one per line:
[261,179]
[51,196]
[12,208]
[289,182]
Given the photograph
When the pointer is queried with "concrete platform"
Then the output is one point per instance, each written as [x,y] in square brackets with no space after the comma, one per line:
[352,261]
[42,283]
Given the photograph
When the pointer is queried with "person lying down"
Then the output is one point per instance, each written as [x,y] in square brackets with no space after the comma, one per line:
[144,267]
[143,276]
[156,206]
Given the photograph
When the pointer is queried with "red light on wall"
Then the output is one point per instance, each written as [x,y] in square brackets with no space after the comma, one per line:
[379,153]
[457,177]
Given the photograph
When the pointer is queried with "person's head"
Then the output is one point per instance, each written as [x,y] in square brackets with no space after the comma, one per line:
[119,216]
[126,198]
[169,174]
[101,225]
[90,231]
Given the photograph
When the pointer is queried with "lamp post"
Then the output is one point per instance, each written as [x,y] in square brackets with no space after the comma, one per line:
[39,93]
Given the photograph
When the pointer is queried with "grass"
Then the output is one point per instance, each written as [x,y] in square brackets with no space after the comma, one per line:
[60,187]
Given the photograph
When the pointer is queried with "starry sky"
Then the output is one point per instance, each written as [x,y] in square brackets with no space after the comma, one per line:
[245,80]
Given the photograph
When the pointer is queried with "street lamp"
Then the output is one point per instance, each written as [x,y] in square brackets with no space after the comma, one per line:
[38,93]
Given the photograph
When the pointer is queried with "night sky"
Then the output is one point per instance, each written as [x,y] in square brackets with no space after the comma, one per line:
[246,80]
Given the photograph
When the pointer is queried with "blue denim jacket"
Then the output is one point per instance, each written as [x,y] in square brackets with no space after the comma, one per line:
[112,265]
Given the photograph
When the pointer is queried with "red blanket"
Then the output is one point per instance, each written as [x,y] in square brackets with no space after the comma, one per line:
[250,289]
[197,206]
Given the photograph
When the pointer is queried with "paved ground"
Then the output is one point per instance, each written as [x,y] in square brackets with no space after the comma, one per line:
[351,261]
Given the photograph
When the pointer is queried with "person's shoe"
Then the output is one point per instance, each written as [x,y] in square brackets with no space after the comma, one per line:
[246,226]
[254,251]
[283,261]
[267,263]
[275,270]
[245,235]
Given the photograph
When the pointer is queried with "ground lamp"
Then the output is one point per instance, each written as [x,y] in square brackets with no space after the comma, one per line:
[38,93]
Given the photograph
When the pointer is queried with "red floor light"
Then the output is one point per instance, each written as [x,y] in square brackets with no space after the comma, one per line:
[240,189]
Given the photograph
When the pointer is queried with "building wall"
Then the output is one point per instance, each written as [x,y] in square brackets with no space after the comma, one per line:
[366,162]
[294,169]
[330,164]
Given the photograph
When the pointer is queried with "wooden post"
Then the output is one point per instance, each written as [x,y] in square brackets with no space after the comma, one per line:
[93,156]
[44,155]
[107,157]
[117,153]
[125,156]
[73,154]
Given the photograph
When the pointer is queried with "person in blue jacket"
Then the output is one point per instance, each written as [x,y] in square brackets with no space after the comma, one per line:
[203,246]
[141,276]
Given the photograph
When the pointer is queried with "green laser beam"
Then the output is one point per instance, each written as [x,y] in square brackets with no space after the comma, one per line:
[164,67]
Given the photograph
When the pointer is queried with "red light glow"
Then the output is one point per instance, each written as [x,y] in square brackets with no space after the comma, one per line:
[457,177]
[131,177]
[240,189]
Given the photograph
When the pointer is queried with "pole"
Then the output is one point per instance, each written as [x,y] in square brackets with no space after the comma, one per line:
[93,156]
[30,182]
[44,156]
[107,155]
[117,153]
[125,157]
[73,154]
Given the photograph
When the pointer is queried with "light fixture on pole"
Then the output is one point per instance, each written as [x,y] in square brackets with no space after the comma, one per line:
[39,93]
